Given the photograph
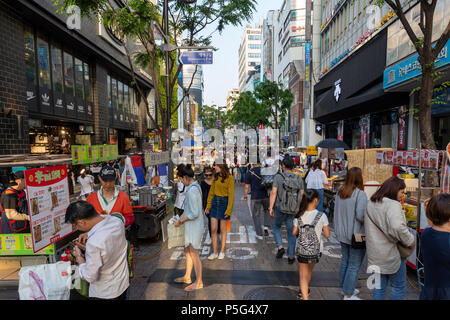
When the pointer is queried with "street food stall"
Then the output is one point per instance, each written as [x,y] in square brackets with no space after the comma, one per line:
[416,162]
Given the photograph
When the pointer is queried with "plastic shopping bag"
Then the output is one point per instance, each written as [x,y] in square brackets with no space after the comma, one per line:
[45,281]
[175,235]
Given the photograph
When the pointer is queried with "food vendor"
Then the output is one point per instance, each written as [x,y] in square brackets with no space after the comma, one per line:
[15,217]
[108,199]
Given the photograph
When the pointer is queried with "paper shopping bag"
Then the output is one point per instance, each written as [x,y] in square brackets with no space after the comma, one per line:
[175,235]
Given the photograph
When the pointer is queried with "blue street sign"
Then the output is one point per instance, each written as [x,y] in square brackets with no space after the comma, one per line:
[197,57]
[218,123]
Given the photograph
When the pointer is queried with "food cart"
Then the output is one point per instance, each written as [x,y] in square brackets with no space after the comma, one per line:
[418,196]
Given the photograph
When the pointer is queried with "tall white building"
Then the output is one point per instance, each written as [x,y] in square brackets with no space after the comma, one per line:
[249,53]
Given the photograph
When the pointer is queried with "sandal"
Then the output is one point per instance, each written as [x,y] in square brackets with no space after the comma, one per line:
[191,287]
[181,280]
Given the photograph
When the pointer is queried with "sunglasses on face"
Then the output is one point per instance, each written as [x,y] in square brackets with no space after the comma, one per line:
[208,175]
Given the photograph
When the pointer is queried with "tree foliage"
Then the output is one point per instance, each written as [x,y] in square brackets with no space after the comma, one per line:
[268,105]
[209,116]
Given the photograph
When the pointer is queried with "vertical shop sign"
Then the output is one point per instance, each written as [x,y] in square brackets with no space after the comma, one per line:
[364,124]
[48,199]
[401,142]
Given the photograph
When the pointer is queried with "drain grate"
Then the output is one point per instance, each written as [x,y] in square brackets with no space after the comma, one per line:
[271,293]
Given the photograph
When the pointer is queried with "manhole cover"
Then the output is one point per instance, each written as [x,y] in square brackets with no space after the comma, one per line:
[271,293]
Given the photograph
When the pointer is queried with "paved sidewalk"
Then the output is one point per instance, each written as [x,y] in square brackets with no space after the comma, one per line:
[250,270]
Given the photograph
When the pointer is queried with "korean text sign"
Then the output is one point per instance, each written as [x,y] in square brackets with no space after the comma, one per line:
[48,199]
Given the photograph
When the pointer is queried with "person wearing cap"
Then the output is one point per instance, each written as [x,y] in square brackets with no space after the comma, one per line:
[108,199]
[15,217]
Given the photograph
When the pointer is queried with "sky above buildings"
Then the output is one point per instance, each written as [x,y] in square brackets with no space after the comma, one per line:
[222,76]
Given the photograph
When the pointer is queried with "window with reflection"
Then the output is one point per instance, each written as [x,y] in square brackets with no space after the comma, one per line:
[126,99]
[87,83]
[43,63]
[57,69]
[79,83]
[120,90]
[30,63]
[114,94]
[108,84]
[68,74]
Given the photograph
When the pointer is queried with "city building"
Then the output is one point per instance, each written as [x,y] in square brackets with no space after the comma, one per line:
[253,79]
[349,98]
[249,53]
[268,45]
[61,86]
[232,97]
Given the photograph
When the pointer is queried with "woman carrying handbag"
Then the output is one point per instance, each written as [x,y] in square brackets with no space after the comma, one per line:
[388,240]
[349,211]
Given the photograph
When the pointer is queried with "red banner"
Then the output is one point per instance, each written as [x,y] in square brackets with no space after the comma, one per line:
[47,176]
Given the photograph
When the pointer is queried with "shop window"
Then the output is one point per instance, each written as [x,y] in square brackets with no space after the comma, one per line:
[30,64]
[79,83]
[43,63]
[114,96]
[68,74]
[108,84]
[126,99]
[120,91]
[57,69]
[87,83]
[384,130]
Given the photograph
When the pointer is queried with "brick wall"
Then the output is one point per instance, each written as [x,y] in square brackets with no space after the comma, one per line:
[12,85]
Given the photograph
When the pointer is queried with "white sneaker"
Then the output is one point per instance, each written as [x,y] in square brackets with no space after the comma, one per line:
[221,255]
[355,293]
[259,237]
[353,297]
[212,256]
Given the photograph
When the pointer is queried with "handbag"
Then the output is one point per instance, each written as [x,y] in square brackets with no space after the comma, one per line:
[405,252]
[358,239]
[175,235]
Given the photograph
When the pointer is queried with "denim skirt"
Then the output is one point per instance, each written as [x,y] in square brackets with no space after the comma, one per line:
[218,207]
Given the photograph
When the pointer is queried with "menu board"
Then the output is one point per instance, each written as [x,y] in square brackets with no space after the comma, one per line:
[312,151]
[429,158]
[48,199]
[92,154]
[21,244]
[155,158]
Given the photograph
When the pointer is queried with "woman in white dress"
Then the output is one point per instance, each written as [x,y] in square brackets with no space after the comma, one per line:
[193,220]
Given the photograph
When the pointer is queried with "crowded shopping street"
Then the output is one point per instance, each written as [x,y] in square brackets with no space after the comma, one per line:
[225,158]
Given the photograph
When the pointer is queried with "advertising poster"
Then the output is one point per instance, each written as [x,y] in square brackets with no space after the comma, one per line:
[21,244]
[155,158]
[312,151]
[79,155]
[93,154]
[48,199]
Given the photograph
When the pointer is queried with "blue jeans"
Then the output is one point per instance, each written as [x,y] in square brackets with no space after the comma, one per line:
[350,264]
[398,284]
[288,219]
[320,204]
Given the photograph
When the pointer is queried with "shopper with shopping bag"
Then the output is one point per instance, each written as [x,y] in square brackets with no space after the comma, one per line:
[104,264]
[193,221]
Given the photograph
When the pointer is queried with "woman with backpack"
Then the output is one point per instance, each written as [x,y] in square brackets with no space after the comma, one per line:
[309,223]
[388,240]
[193,220]
[349,211]
[316,179]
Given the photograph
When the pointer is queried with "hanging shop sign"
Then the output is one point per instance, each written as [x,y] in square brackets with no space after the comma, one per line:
[21,244]
[312,151]
[429,158]
[48,198]
[93,154]
[156,158]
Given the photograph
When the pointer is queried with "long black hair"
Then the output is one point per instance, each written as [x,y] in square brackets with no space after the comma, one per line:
[308,197]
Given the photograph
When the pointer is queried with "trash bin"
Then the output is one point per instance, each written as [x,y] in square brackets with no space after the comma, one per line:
[148,220]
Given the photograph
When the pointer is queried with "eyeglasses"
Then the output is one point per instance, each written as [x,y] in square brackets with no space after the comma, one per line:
[208,175]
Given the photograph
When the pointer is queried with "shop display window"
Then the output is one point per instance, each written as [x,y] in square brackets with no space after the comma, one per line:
[79,79]
[43,63]
[68,74]
[57,71]
[384,130]
[30,64]
[87,83]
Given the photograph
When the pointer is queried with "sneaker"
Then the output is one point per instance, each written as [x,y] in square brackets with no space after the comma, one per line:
[280,253]
[291,260]
[259,237]
[355,293]
[212,256]
[353,297]
[221,255]
[299,295]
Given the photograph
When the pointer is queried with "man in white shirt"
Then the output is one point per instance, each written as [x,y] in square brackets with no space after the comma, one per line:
[87,184]
[104,264]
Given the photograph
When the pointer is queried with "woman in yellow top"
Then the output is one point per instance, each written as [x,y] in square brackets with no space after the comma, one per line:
[220,206]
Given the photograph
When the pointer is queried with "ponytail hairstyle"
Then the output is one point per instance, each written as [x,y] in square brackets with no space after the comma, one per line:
[308,197]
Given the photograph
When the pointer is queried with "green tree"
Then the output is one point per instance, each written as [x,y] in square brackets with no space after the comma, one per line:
[141,20]
[210,115]
[268,105]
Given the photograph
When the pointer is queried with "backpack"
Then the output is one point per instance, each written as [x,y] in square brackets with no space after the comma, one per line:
[289,194]
[308,244]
